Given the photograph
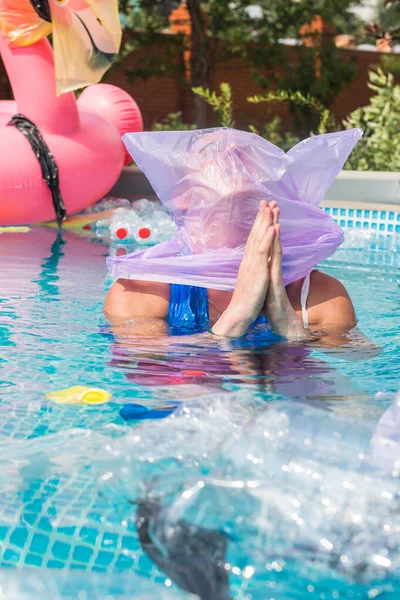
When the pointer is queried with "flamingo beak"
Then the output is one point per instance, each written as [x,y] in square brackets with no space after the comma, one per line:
[86,38]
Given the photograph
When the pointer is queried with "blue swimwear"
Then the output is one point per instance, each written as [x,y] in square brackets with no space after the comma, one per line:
[188,309]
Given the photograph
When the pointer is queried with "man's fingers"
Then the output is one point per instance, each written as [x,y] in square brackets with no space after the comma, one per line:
[276,212]
[263,220]
[276,250]
[267,240]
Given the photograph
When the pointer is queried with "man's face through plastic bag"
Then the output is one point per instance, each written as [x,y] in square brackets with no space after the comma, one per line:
[219,193]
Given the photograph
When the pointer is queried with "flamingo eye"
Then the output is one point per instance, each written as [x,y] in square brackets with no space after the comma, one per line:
[42,8]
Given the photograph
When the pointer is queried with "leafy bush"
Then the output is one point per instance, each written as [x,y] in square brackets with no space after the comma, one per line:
[173,122]
[379,148]
[299,99]
[272,131]
[222,105]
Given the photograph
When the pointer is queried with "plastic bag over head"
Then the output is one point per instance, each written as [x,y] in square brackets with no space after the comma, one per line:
[212,181]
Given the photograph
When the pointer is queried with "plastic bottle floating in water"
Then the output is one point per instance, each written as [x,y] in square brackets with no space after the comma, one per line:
[79,394]
[145,223]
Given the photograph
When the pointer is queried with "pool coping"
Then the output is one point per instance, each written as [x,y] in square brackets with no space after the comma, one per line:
[350,188]
[376,188]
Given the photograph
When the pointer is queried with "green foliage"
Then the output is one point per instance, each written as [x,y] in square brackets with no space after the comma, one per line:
[387,14]
[272,132]
[173,122]
[298,99]
[251,30]
[159,54]
[379,148]
[222,105]
[334,72]
[390,63]
[351,24]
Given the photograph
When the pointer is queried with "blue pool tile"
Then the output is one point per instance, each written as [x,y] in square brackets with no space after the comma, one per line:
[39,543]
[35,506]
[104,558]
[342,223]
[28,495]
[144,563]
[398,217]
[397,228]
[358,224]
[367,214]
[109,541]
[11,555]
[19,537]
[70,531]
[76,566]
[60,550]
[335,211]
[124,562]
[55,564]
[342,212]
[383,214]
[328,210]
[365,224]
[30,518]
[82,554]
[382,227]
[45,525]
[374,225]
[34,560]
[130,543]
[359,214]
[350,224]
[390,227]
[89,535]
[374,214]
[351,212]
[391,216]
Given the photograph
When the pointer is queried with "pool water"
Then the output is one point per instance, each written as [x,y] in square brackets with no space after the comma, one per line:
[278,467]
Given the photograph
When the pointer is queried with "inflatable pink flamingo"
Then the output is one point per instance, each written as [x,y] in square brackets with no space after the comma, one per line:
[80,142]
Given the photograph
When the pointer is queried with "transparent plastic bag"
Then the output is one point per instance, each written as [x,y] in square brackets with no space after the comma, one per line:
[212,181]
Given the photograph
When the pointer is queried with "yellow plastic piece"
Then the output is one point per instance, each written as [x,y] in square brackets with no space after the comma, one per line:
[79,221]
[79,394]
[15,229]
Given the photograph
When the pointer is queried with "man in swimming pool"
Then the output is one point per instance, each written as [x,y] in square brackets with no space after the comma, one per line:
[316,303]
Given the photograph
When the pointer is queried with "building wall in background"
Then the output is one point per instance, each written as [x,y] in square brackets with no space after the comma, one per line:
[159,96]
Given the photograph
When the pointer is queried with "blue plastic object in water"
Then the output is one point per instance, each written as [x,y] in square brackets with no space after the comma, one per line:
[138,412]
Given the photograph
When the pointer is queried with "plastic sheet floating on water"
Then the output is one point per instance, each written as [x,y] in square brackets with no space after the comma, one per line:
[293,490]
[64,585]
[212,181]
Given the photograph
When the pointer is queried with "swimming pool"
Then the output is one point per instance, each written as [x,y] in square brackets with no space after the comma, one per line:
[277,466]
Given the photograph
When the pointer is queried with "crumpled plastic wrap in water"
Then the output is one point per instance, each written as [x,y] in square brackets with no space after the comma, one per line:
[66,585]
[301,501]
[212,181]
